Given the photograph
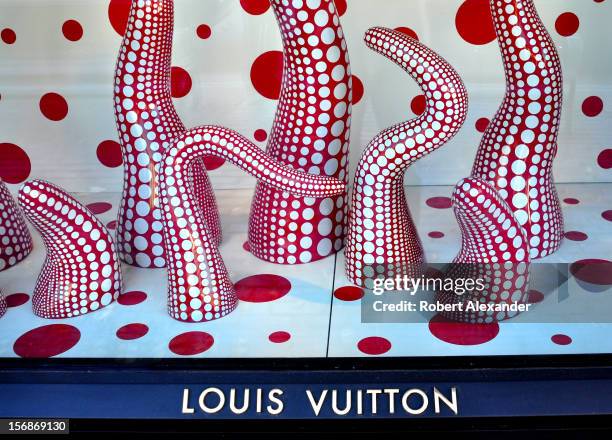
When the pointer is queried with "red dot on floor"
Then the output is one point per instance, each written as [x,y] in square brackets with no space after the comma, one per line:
[213,162]
[99,207]
[460,333]
[604,159]
[593,271]
[112,225]
[181,82]
[262,288]
[358,90]
[246,246]
[374,345]
[204,31]
[482,124]
[132,298]
[17,299]
[576,236]
[592,106]
[571,201]
[349,293]
[118,14]
[474,22]
[53,106]
[439,202]
[535,296]
[607,215]
[47,341]
[130,332]
[109,154]
[267,74]
[407,31]
[279,337]
[72,30]
[260,135]
[8,36]
[341,7]
[191,343]
[561,339]
[418,105]
[255,7]
[15,166]
[567,24]
[436,234]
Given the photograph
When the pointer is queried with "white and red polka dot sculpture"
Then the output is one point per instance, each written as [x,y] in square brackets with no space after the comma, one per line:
[518,148]
[15,239]
[494,250]
[81,273]
[382,239]
[3,305]
[199,288]
[310,133]
[147,122]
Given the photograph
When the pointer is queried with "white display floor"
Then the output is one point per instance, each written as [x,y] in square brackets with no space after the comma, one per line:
[307,320]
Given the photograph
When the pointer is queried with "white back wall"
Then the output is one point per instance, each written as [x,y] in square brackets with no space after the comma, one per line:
[37,59]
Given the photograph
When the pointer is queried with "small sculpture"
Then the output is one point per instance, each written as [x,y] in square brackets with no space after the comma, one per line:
[81,273]
[15,239]
[3,305]
[382,239]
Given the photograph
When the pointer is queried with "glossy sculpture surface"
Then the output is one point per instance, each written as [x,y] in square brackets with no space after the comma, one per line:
[310,133]
[382,239]
[15,239]
[147,123]
[199,288]
[518,148]
[494,251]
[81,272]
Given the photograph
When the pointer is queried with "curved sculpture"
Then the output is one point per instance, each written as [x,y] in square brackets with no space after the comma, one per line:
[148,123]
[518,148]
[310,133]
[199,288]
[15,239]
[494,250]
[3,305]
[81,273]
[382,239]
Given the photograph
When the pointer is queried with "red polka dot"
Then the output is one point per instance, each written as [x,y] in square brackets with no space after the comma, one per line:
[474,22]
[439,202]
[341,7]
[592,106]
[418,105]
[47,341]
[436,234]
[204,31]
[358,90]
[15,164]
[53,106]
[109,154]
[99,207]
[260,135]
[17,299]
[460,333]
[132,298]
[279,337]
[567,24]
[607,215]
[576,236]
[132,331]
[535,296]
[482,124]
[408,31]
[604,159]
[112,225]
[246,246]
[191,343]
[267,74]
[118,14]
[593,271]
[212,163]
[72,30]
[8,36]
[255,7]
[262,288]
[374,345]
[181,82]
[561,339]
[571,201]
[349,293]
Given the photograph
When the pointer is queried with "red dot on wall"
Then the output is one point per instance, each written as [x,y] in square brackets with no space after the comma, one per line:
[181,82]
[407,31]
[212,163]
[53,106]
[604,159]
[47,341]
[279,337]
[592,106]
[8,36]
[607,215]
[255,7]
[17,299]
[260,135]
[191,343]
[561,339]
[15,164]
[567,24]
[262,288]
[349,293]
[482,124]
[358,89]
[418,105]
[109,154]
[341,7]
[133,331]
[374,345]
[439,202]
[98,208]
[118,14]
[461,333]
[267,74]
[72,30]
[474,22]
[204,31]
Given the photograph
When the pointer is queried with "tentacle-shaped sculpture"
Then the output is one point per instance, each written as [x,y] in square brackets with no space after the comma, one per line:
[494,255]
[3,305]
[310,133]
[199,288]
[147,122]
[81,273]
[518,148]
[382,239]
[15,239]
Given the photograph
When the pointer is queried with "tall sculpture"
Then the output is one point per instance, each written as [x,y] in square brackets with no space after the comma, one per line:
[310,133]
[518,148]
[15,239]
[199,288]
[3,305]
[147,123]
[81,273]
[382,239]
